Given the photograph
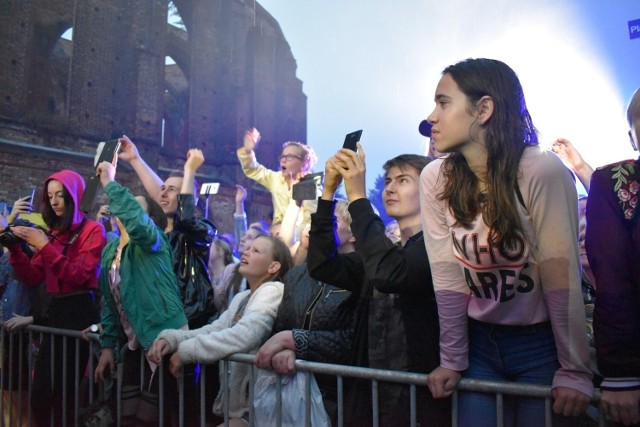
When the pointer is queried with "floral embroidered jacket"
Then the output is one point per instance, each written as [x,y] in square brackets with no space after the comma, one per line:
[613,250]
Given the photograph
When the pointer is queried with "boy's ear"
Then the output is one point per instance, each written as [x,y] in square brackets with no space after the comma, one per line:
[485,109]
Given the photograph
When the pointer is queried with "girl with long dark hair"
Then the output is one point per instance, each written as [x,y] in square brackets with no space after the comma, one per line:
[67,260]
[500,224]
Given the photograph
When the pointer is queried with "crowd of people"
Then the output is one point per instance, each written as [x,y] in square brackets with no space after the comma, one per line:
[491,269]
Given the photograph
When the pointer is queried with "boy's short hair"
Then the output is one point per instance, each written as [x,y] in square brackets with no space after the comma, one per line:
[176,173]
[403,161]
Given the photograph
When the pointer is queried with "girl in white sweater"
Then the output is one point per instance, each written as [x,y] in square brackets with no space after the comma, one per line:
[242,328]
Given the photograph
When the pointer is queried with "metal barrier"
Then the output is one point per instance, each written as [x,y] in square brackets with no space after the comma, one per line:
[15,347]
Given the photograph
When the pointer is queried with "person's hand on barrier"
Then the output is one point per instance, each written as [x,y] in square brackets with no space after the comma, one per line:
[280,341]
[284,362]
[159,348]
[18,322]
[569,402]
[175,365]
[622,406]
[106,365]
[96,328]
[442,381]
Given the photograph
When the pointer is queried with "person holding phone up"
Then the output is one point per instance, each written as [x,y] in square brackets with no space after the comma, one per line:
[296,161]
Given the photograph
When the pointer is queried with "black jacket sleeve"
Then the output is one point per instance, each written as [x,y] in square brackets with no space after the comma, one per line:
[391,268]
[325,263]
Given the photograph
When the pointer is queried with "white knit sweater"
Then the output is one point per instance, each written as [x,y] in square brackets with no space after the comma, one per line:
[220,339]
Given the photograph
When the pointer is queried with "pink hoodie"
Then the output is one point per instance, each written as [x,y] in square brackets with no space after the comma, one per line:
[74,183]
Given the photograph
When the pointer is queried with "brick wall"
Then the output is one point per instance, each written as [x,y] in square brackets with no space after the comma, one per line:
[59,98]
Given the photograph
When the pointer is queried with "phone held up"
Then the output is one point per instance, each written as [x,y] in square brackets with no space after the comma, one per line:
[209,188]
[105,152]
[308,188]
[29,195]
[352,139]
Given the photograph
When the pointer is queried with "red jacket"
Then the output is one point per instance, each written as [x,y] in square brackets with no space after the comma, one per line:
[79,268]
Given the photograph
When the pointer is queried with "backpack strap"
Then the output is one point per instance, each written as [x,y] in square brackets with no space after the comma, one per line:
[74,236]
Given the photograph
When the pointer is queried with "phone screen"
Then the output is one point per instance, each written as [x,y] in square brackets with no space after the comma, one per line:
[351,140]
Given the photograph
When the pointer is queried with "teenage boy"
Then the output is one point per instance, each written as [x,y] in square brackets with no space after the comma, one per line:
[397,327]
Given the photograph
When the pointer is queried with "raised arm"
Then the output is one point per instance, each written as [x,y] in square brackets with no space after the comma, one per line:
[150,180]
[571,156]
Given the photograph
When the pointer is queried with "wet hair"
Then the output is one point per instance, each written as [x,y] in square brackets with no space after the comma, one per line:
[155,212]
[508,132]
[308,154]
[404,161]
[634,106]
[281,253]
[54,222]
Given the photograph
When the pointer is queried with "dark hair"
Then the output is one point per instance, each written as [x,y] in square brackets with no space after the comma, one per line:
[180,174]
[50,218]
[508,132]
[404,161]
[155,212]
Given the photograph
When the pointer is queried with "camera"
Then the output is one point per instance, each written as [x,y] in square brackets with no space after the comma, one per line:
[7,238]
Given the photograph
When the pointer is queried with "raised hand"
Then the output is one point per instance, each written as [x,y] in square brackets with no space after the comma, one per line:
[195,159]
[107,173]
[128,150]
[251,139]
[352,166]
[332,180]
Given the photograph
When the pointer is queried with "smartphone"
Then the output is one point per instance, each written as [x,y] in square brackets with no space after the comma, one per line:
[30,193]
[352,139]
[308,187]
[209,188]
[106,151]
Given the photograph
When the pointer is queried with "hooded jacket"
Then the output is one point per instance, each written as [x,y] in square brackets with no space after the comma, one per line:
[70,262]
[148,291]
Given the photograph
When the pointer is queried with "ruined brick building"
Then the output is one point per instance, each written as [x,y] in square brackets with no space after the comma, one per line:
[230,68]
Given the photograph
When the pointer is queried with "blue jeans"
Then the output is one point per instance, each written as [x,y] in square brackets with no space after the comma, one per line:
[523,354]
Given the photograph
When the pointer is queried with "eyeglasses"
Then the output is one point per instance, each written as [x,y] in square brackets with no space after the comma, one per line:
[289,157]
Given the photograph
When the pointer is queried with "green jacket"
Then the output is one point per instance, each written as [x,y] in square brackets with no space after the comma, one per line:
[148,290]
